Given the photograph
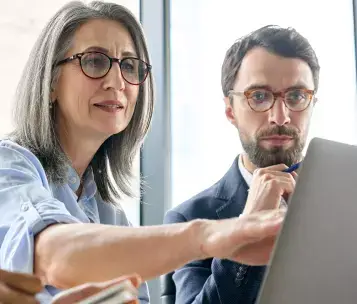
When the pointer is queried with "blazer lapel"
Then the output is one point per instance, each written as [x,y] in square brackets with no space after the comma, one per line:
[234,190]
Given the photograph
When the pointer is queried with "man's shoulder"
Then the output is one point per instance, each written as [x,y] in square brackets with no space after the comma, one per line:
[208,203]
[201,205]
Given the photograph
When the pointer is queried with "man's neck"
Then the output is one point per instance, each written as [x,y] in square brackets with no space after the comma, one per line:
[248,164]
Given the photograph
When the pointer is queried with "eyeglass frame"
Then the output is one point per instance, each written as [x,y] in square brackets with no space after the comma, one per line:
[275,95]
[111,60]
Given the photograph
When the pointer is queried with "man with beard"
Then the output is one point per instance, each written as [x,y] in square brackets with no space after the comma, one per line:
[269,80]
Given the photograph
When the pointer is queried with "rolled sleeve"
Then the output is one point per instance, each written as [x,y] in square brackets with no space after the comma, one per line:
[27,206]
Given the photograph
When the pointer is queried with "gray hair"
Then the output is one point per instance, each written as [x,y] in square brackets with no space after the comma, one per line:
[286,42]
[34,119]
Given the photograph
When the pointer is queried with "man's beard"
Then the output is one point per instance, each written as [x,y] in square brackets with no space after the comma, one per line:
[262,157]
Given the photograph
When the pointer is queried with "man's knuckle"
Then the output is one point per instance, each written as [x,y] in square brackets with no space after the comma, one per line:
[272,183]
[259,172]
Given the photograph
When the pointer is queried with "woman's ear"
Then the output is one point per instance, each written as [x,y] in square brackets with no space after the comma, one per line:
[315,100]
[53,96]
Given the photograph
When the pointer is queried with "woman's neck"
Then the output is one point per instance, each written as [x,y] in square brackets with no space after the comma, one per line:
[80,150]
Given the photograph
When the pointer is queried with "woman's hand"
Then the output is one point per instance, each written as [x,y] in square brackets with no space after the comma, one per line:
[82,292]
[248,239]
[18,288]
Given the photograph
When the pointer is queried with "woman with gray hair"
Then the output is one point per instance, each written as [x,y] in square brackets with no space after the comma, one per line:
[83,107]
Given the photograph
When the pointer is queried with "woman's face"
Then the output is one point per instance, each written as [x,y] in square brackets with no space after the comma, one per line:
[88,108]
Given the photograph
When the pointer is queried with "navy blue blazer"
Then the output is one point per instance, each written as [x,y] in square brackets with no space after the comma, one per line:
[216,280]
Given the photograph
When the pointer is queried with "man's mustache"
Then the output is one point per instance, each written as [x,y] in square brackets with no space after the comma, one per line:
[279,130]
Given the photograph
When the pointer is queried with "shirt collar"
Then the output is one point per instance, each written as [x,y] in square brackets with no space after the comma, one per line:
[243,170]
[89,185]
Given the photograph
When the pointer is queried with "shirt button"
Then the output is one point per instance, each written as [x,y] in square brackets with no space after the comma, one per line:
[24,207]
[72,180]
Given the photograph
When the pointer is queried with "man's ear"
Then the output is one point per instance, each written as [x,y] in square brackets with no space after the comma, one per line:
[229,110]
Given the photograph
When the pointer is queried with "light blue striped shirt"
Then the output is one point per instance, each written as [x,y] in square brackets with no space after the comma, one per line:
[29,203]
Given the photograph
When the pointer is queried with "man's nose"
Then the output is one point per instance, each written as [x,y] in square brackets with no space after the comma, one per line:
[279,113]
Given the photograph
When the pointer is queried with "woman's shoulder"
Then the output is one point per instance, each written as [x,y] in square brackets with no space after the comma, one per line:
[11,144]
[12,153]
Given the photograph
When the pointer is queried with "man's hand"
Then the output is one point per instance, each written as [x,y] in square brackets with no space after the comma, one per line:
[268,186]
[248,239]
[18,288]
[84,291]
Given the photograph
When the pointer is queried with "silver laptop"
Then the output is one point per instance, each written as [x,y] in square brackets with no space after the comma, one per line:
[315,258]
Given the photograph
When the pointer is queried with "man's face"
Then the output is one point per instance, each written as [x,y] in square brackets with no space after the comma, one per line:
[277,135]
